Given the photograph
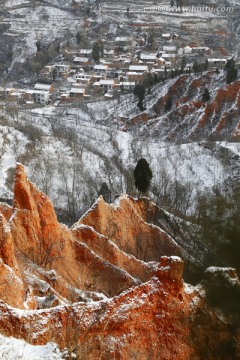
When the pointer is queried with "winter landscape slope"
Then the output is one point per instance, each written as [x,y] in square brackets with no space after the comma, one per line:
[90,290]
[85,143]
[118,295]
[88,145]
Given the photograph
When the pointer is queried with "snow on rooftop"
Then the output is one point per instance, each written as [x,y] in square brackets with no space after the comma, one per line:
[106,82]
[42,87]
[100,67]
[169,48]
[128,83]
[168,55]
[85,51]
[80,59]
[134,73]
[77,90]
[121,38]
[60,65]
[138,68]
[148,56]
[216,60]
[200,48]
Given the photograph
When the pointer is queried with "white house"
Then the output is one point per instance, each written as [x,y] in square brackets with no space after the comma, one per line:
[81,60]
[40,96]
[200,49]
[107,84]
[187,50]
[135,76]
[180,51]
[109,54]
[122,40]
[85,52]
[169,57]
[44,87]
[217,61]
[83,78]
[62,68]
[138,68]
[166,36]
[77,92]
[170,48]
[128,85]
[100,68]
[148,58]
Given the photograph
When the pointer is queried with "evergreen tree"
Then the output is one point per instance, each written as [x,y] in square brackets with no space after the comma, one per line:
[54,74]
[79,37]
[155,79]
[231,71]
[142,176]
[149,81]
[173,74]
[165,72]
[140,105]
[151,38]
[195,67]
[230,63]
[231,74]
[206,95]
[96,52]
[183,63]
[206,64]
[101,49]
[38,45]
[139,91]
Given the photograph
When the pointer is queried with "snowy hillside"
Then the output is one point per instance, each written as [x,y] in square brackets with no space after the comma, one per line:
[28,22]
[78,149]
[76,154]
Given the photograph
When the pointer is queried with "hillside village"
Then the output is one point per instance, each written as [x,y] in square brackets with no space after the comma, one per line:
[107,48]
[113,68]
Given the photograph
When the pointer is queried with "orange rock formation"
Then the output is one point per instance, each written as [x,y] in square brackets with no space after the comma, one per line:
[127,308]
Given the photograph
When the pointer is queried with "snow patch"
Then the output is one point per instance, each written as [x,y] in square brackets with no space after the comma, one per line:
[11,348]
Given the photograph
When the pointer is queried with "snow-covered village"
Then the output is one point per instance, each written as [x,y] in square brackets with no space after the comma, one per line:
[113,49]
[119,179]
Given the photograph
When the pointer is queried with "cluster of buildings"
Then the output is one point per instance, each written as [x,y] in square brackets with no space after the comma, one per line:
[40,94]
[128,61]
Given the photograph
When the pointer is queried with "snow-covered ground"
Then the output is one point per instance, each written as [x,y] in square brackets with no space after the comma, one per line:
[11,348]
[72,155]
[12,145]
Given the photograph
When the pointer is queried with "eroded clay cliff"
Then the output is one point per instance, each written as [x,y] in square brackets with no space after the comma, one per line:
[91,290]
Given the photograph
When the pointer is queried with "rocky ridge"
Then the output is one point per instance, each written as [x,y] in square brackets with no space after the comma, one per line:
[88,289]
[190,118]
